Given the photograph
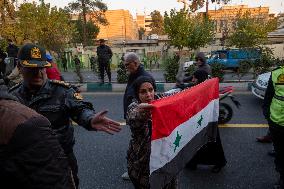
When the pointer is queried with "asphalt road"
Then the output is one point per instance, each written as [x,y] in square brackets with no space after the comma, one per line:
[101,157]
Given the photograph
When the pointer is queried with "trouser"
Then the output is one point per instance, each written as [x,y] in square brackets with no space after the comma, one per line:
[277,133]
[2,69]
[74,167]
[104,66]
[78,72]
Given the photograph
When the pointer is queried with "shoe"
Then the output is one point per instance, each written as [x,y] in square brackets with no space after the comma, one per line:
[217,168]
[264,139]
[272,153]
[125,176]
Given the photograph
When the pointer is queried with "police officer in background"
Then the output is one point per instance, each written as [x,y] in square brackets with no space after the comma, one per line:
[57,101]
[104,55]
[273,110]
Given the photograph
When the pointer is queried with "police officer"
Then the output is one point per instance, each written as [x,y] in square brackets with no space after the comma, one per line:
[104,55]
[57,101]
[77,63]
[273,109]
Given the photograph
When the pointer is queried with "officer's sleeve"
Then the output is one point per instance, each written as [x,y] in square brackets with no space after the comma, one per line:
[110,52]
[80,111]
[268,98]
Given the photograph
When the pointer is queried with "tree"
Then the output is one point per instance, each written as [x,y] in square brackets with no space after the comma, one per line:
[201,32]
[197,4]
[188,31]
[251,31]
[157,24]
[7,10]
[93,8]
[141,32]
[176,26]
[48,26]
[91,29]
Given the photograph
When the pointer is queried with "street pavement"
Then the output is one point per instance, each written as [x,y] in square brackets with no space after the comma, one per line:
[90,76]
[101,157]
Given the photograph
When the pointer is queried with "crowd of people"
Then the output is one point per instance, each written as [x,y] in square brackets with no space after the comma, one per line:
[36,148]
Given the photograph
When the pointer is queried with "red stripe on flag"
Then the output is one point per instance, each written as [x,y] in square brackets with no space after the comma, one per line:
[172,111]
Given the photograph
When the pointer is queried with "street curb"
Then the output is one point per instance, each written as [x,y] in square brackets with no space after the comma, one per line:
[161,87]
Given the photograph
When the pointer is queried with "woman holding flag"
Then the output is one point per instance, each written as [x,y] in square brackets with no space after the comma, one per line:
[139,119]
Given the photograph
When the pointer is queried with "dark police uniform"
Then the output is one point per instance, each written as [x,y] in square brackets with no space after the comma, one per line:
[59,102]
[55,100]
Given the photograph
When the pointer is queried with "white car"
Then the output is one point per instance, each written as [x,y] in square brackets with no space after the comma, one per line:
[259,86]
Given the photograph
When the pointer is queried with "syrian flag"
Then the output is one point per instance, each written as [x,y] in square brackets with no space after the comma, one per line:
[181,125]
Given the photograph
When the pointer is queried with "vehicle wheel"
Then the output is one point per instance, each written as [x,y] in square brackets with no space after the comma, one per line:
[225,113]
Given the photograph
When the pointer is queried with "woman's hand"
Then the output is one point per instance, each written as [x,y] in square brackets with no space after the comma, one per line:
[145,109]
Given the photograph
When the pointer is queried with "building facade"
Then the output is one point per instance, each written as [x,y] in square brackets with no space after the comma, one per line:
[225,17]
[121,26]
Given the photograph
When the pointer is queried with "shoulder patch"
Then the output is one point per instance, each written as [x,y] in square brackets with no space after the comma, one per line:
[78,96]
[62,83]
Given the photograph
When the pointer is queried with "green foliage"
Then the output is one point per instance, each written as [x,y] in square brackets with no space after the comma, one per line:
[265,62]
[94,8]
[122,76]
[197,4]
[176,26]
[171,68]
[200,32]
[251,31]
[244,67]
[46,25]
[157,24]
[218,70]
[188,31]
[92,32]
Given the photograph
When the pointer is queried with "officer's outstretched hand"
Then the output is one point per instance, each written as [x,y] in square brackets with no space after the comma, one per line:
[102,123]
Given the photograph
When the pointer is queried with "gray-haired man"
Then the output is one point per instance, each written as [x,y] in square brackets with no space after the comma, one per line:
[134,70]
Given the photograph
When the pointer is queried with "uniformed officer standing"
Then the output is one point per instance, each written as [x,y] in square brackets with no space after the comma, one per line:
[57,101]
[77,63]
[273,109]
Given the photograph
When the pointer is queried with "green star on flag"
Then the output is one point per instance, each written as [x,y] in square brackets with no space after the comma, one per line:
[200,121]
[177,141]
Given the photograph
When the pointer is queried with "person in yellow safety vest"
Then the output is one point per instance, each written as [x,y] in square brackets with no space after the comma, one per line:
[273,110]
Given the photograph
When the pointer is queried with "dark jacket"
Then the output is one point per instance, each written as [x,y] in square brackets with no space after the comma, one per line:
[204,66]
[12,50]
[129,91]
[268,98]
[58,102]
[104,53]
[30,154]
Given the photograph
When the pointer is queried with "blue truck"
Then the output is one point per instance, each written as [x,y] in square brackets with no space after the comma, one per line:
[231,58]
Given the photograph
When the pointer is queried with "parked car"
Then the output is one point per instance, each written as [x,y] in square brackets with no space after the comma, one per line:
[259,86]
[231,58]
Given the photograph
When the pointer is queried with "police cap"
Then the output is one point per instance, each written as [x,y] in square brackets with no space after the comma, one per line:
[33,56]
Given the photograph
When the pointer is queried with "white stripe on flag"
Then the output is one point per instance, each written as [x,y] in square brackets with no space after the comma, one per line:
[163,150]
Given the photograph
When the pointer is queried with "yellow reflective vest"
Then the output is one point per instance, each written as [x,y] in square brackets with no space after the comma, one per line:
[277,103]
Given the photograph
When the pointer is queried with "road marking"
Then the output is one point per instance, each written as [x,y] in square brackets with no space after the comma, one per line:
[223,125]
[243,125]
